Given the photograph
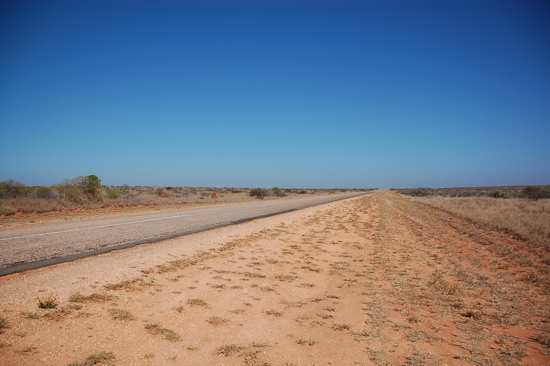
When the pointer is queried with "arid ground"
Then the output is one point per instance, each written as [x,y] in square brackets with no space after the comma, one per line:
[374,280]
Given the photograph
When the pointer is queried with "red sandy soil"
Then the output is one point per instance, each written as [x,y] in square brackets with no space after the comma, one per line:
[375,280]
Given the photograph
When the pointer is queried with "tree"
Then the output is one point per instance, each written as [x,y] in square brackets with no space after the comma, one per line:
[11,188]
[90,185]
[80,188]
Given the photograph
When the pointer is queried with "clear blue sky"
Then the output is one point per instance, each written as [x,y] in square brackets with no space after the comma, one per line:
[276,93]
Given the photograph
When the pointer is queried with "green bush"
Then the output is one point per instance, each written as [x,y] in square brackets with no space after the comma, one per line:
[112,195]
[499,194]
[45,192]
[11,189]
[80,188]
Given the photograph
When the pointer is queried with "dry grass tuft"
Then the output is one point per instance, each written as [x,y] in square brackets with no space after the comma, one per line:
[527,219]
[306,342]
[49,303]
[168,334]
[229,349]
[101,358]
[4,324]
[216,320]
[274,312]
[121,314]
[196,302]
[95,297]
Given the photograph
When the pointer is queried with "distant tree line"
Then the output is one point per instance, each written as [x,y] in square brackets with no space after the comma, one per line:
[529,192]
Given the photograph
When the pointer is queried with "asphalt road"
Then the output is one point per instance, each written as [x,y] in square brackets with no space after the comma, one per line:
[33,246]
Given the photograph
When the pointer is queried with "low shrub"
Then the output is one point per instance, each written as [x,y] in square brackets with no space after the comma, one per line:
[499,194]
[112,195]
[259,193]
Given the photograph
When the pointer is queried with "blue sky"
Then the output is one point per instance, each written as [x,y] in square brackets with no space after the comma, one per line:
[276,93]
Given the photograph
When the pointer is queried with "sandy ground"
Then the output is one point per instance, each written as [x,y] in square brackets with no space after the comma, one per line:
[375,280]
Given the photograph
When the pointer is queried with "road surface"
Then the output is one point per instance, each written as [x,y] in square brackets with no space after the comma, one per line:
[33,246]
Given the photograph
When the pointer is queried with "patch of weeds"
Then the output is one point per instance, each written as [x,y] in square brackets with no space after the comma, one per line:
[334,296]
[95,297]
[274,312]
[196,302]
[293,304]
[416,335]
[306,342]
[329,308]
[216,320]
[237,311]
[307,285]
[543,337]
[285,278]
[317,322]
[317,299]
[236,287]
[26,315]
[121,314]
[124,285]
[4,324]
[338,326]
[247,304]
[49,303]
[168,334]
[253,275]
[219,286]
[179,309]
[325,316]
[420,359]
[57,314]
[190,347]
[302,318]
[27,350]
[229,350]
[101,358]
[348,283]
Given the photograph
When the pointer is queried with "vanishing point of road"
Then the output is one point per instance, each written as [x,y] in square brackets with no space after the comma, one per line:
[28,247]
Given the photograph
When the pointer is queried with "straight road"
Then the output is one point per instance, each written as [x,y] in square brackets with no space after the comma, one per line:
[33,246]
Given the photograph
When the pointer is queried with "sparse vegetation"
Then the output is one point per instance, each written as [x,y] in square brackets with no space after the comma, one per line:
[49,303]
[216,320]
[121,314]
[196,302]
[259,193]
[95,297]
[101,358]
[4,324]
[168,334]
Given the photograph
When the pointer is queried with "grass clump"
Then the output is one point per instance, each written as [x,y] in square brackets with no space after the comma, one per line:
[216,320]
[337,326]
[101,358]
[197,302]
[49,303]
[4,324]
[229,349]
[274,312]
[121,314]
[95,297]
[306,342]
[168,334]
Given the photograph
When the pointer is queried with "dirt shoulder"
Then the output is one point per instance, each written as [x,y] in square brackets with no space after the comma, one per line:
[375,280]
